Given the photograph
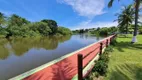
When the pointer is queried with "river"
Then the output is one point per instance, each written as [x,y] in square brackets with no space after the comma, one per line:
[23,54]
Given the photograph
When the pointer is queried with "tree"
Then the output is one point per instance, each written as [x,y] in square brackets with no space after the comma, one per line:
[52,24]
[17,26]
[40,28]
[16,20]
[134,39]
[125,18]
[64,31]
[3,31]
[104,31]
[137,4]
[44,29]
[2,18]
[112,30]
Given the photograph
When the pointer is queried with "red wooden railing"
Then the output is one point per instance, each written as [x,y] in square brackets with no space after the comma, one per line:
[81,58]
[68,66]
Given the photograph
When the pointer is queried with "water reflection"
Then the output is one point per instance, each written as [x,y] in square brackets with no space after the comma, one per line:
[86,36]
[3,51]
[20,46]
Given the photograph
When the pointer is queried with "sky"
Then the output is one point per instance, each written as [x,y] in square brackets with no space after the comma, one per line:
[73,14]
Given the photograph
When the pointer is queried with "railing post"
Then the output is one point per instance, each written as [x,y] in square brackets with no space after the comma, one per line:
[107,43]
[80,67]
[115,35]
[110,39]
[101,47]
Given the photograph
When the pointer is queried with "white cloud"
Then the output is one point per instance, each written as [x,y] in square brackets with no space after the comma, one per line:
[89,24]
[87,8]
[90,9]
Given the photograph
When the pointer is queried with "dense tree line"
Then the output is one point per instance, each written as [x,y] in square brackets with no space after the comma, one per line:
[97,31]
[17,26]
[109,30]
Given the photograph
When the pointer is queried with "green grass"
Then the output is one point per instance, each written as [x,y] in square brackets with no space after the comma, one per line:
[126,60]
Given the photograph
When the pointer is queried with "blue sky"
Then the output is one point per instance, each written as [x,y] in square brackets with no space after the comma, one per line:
[73,14]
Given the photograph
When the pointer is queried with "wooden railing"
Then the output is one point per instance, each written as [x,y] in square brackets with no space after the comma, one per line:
[81,57]
[81,65]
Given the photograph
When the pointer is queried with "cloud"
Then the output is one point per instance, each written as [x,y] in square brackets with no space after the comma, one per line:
[88,24]
[87,8]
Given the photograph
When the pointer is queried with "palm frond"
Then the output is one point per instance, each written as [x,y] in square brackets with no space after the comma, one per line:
[110,3]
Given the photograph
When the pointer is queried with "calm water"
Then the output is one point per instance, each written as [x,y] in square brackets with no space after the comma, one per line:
[20,55]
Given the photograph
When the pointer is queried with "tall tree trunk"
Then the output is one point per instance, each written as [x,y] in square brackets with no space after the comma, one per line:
[136,21]
[127,29]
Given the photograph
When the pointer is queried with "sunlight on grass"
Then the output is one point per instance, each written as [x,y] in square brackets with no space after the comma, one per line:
[126,60]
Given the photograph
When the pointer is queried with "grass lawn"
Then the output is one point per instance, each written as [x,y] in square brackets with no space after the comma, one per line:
[126,60]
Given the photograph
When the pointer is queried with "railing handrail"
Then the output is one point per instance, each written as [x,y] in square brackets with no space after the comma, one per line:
[81,57]
[90,52]
[35,70]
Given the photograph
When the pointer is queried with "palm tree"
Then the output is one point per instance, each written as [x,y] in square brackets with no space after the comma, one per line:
[137,4]
[126,18]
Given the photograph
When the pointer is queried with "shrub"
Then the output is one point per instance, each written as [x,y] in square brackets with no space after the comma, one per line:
[100,67]
[109,49]
[102,64]
[91,76]
[104,57]
[113,42]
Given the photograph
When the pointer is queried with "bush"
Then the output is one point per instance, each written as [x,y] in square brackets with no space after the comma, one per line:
[113,42]
[91,76]
[100,67]
[109,49]
[102,64]
[104,57]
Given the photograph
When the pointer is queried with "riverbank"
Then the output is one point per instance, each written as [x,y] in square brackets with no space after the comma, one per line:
[125,61]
